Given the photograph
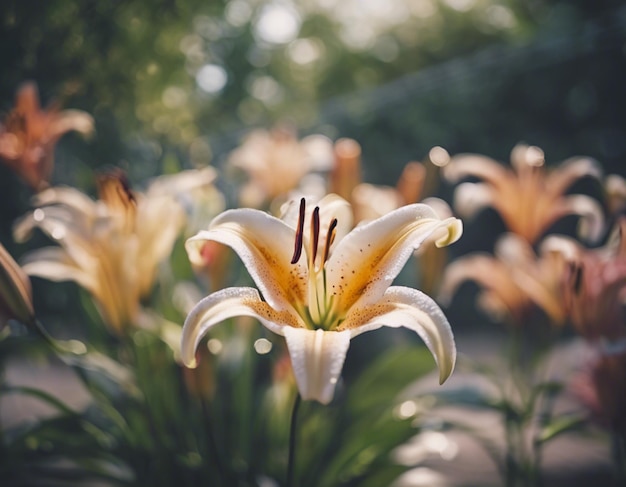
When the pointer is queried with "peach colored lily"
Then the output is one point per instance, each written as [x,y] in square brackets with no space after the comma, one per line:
[528,197]
[515,281]
[276,162]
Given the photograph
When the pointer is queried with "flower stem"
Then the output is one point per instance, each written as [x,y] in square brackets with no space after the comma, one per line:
[292,440]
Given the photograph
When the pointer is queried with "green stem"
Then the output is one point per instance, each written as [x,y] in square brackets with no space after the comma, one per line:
[292,440]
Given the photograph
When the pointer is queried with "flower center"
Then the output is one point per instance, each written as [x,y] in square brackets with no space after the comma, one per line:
[318,311]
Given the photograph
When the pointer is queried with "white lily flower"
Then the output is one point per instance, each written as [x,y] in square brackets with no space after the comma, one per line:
[112,247]
[333,286]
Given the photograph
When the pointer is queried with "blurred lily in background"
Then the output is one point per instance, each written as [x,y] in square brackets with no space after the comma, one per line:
[514,283]
[16,300]
[28,135]
[594,285]
[276,161]
[528,197]
[195,191]
[600,386]
[322,284]
[111,246]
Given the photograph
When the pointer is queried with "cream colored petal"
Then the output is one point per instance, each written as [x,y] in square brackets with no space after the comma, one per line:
[319,151]
[15,290]
[64,195]
[160,220]
[224,304]
[514,250]
[480,268]
[371,202]
[61,208]
[471,198]
[72,234]
[54,264]
[265,245]
[615,191]
[525,158]
[55,221]
[472,165]
[68,120]
[181,182]
[591,224]
[570,249]
[412,309]
[317,358]
[331,206]
[367,260]
[441,207]
[570,171]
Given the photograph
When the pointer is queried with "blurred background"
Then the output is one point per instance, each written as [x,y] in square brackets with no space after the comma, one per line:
[177,83]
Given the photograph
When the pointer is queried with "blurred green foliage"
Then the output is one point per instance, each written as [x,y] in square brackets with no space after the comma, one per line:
[554,79]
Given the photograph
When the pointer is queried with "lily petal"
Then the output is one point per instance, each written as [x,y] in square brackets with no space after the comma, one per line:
[67,120]
[65,195]
[227,303]
[317,357]
[66,227]
[53,263]
[157,238]
[15,291]
[114,302]
[368,259]
[591,223]
[331,206]
[412,309]
[473,165]
[265,244]
[570,171]
[471,198]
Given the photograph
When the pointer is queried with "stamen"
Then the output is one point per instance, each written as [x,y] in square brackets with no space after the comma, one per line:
[297,251]
[330,238]
[315,231]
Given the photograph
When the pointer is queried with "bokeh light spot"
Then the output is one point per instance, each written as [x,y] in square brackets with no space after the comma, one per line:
[262,346]
[211,78]
[277,24]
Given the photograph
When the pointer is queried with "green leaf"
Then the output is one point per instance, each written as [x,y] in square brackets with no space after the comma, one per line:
[559,426]
[49,399]
[386,377]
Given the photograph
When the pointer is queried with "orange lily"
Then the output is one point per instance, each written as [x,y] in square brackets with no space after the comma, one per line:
[29,134]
